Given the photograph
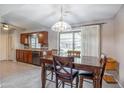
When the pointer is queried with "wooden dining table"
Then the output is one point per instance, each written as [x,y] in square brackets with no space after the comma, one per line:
[86,63]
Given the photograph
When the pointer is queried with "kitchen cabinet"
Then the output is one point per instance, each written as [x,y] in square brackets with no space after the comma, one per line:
[24,56]
[21,56]
[30,57]
[24,38]
[43,38]
[17,55]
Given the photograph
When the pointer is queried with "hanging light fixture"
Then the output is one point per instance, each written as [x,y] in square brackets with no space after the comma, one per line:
[5,26]
[61,26]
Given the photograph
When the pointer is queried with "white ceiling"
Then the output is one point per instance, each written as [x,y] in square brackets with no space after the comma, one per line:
[36,16]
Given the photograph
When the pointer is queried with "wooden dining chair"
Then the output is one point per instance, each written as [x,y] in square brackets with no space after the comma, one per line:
[63,73]
[89,75]
[50,67]
[74,53]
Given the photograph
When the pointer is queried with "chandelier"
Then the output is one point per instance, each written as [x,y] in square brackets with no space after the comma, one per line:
[61,26]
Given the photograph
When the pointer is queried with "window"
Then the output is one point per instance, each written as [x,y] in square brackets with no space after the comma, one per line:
[34,41]
[70,41]
[85,39]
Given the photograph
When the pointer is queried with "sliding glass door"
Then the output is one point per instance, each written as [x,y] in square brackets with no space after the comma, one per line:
[69,41]
[66,42]
[86,40]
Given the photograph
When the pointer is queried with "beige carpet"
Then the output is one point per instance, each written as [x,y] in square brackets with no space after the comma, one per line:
[21,75]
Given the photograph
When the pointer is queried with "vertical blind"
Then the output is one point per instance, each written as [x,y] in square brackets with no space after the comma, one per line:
[90,40]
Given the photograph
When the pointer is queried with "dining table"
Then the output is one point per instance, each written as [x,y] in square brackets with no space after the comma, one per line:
[85,63]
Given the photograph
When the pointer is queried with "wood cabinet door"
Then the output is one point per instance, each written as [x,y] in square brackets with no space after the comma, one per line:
[24,39]
[25,55]
[17,55]
[43,38]
[30,57]
[21,56]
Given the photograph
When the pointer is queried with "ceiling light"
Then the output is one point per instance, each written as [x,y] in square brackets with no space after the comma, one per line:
[5,26]
[61,26]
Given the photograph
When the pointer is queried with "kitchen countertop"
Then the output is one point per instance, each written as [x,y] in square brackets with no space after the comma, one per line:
[31,49]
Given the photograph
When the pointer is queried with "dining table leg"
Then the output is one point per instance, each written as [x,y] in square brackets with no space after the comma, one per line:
[97,79]
[97,85]
[43,75]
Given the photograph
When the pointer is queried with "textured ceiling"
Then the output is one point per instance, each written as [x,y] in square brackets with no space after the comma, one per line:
[36,16]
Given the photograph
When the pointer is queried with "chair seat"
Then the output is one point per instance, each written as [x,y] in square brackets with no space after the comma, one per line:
[85,74]
[49,67]
[74,72]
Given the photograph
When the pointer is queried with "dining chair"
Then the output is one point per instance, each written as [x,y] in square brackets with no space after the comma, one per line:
[63,73]
[50,67]
[73,53]
[89,75]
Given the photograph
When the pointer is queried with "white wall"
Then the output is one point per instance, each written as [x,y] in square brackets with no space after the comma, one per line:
[52,39]
[119,42]
[15,40]
[3,45]
[107,38]
[9,41]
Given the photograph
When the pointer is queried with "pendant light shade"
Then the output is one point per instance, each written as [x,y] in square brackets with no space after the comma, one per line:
[61,26]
